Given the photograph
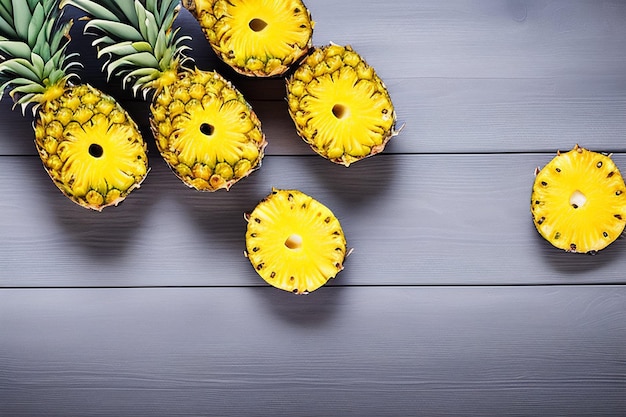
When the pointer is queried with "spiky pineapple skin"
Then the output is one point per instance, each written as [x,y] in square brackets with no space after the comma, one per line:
[302,264]
[227,25]
[325,68]
[83,108]
[206,162]
[578,201]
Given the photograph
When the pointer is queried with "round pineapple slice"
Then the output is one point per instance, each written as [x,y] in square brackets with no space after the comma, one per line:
[90,147]
[340,107]
[256,38]
[578,201]
[206,131]
[294,242]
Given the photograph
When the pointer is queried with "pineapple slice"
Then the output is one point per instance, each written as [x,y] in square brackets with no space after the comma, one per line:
[340,107]
[89,145]
[256,38]
[578,201]
[294,242]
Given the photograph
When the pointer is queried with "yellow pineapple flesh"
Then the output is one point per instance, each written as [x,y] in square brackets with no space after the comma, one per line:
[206,130]
[90,147]
[340,107]
[578,201]
[257,38]
[294,242]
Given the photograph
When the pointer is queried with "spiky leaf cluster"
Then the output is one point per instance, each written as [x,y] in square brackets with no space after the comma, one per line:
[33,41]
[135,38]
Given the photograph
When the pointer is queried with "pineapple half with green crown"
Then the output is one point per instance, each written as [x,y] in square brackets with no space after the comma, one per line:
[578,201]
[89,145]
[204,128]
[294,242]
[340,106]
[257,38]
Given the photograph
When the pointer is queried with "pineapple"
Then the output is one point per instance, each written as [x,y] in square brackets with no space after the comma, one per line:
[204,128]
[294,242]
[578,201]
[89,145]
[256,38]
[340,107]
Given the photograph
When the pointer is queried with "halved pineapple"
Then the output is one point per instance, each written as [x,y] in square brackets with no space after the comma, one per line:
[205,130]
[256,38]
[340,107]
[88,143]
[294,242]
[578,201]
[90,146]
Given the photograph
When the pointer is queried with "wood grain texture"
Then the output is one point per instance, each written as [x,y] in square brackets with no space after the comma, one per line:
[451,303]
[349,352]
[411,219]
[465,75]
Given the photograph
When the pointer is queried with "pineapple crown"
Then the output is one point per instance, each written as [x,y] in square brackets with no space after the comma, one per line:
[137,39]
[34,66]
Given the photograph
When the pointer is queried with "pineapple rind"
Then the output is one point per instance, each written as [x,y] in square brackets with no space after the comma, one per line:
[340,106]
[262,52]
[201,100]
[562,219]
[286,213]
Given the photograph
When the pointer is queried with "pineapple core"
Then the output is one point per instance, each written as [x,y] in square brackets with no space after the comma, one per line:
[577,199]
[257,25]
[294,241]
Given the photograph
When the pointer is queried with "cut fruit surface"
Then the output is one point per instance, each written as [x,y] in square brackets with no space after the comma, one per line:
[257,38]
[578,202]
[206,131]
[294,242]
[340,107]
[90,147]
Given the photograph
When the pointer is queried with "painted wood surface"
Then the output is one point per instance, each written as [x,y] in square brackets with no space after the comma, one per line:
[411,220]
[450,304]
[471,351]
[465,75]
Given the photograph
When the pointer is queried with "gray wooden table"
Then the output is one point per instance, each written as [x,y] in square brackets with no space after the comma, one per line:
[450,305]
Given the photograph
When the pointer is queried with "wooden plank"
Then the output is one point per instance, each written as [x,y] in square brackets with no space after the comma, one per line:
[465,75]
[340,351]
[476,38]
[17,136]
[412,220]
[460,39]
[439,115]
[457,38]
